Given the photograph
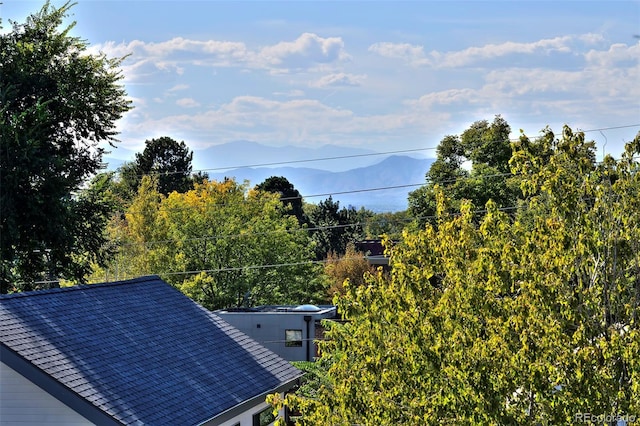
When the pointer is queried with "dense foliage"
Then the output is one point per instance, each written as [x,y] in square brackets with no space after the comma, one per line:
[333,227]
[58,108]
[528,318]
[289,196]
[473,166]
[168,160]
[221,244]
[352,268]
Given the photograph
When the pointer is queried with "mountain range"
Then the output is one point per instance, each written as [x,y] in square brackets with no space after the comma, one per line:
[378,182]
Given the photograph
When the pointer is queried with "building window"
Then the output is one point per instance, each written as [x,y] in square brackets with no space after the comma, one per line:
[264,417]
[293,338]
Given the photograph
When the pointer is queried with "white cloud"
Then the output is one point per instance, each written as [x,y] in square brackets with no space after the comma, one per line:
[591,79]
[491,51]
[294,93]
[446,97]
[307,51]
[338,80]
[305,121]
[187,103]
[178,87]
[415,55]
[616,54]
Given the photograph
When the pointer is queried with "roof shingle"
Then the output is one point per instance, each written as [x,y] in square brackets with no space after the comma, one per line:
[140,350]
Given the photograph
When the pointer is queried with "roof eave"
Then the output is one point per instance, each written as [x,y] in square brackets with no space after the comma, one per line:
[245,405]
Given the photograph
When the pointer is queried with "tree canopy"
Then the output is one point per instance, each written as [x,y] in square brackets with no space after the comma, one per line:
[333,227]
[473,166]
[522,318]
[220,243]
[58,109]
[167,159]
[289,195]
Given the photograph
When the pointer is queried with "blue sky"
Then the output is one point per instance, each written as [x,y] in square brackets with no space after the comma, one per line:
[379,75]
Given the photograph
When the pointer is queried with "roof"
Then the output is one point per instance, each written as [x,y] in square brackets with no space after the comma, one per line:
[137,351]
[307,309]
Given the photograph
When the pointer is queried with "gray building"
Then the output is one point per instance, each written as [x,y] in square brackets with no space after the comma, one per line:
[289,331]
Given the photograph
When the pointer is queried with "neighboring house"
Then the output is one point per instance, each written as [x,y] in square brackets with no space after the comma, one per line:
[130,352]
[289,331]
[374,253]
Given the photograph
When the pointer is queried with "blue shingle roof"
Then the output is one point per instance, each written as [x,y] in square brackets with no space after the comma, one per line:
[140,351]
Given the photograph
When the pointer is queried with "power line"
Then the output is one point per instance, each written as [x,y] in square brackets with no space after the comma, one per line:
[300,263]
[305,229]
[318,228]
[340,157]
[319,159]
[292,230]
[289,264]
[310,262]
[380,188]
[611,128]
[359,155]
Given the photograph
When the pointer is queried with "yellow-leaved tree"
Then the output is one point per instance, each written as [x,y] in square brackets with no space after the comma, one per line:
[222,244]
[525,317]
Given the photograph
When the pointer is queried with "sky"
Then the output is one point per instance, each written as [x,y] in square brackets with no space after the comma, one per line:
[378,75]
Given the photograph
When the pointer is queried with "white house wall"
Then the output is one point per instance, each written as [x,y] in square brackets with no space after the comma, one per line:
[24,403]
[269,329]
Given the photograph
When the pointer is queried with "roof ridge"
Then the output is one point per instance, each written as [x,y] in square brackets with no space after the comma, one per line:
[32,293]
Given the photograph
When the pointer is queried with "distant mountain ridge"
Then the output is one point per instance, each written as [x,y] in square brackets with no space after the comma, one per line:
[381,187]
[235,154]
[316,172]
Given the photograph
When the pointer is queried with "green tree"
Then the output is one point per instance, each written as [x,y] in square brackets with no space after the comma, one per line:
[221,244]
[289,196]
[333,227]
[377,225]
[126,182]
[500,321]
[167,159]
[58,107]
[487,148]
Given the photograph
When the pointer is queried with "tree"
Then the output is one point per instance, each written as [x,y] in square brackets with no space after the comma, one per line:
[376,225]
[58,107]
[169,160]
[525,320]
[221,244]
[487,147]
[126,182]
[289,196]
[352,268]
[333,228]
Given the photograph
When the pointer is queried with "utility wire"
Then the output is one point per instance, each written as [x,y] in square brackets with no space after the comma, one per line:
[285,264]
[610,128]
[289,264]
[359,155]
[340,157]
[380,188]
[319,159]
[320,228]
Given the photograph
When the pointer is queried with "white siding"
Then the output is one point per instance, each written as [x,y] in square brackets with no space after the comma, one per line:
[23,403]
